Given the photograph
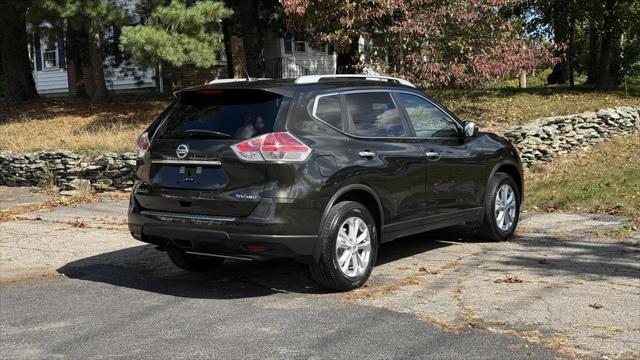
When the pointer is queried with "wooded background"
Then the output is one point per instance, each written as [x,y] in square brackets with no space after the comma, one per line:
[433,43]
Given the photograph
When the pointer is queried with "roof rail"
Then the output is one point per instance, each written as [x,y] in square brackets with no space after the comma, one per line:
[312,79]
[224,81]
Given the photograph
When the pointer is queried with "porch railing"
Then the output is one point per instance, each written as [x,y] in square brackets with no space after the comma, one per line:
[284,68]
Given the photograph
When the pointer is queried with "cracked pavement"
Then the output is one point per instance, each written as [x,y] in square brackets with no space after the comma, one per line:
[73,283]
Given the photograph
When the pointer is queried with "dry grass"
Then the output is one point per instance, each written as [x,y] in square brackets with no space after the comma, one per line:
[499,108]
[76,125]
[605,178]
[94,128]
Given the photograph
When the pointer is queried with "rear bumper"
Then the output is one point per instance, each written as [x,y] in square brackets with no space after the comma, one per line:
[241,237]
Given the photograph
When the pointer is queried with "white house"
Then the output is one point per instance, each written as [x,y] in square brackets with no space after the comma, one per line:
[52,72]
[284,57]
[289,57]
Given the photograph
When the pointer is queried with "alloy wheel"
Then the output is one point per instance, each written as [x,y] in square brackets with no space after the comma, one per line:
[353,247]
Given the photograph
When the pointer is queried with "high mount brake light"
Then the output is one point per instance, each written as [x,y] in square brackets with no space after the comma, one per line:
[142,145]
[209,92]
[272,147]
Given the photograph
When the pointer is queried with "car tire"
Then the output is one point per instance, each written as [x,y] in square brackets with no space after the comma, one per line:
[193,263]
[340,246]
[498,201]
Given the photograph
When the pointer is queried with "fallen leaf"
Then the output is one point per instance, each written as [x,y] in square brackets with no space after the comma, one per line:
[509,280]
[595,306]
[79,223]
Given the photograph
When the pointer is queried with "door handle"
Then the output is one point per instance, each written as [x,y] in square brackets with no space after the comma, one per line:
[367,154]
[432,155]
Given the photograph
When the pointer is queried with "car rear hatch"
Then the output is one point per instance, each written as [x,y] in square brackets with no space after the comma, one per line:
[190,165]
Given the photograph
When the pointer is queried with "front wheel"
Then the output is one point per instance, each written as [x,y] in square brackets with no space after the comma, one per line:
[349,244]
[501,208]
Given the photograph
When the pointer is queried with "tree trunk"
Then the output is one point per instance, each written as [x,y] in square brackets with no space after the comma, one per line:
[252,37]
[604,79]
[226,34]
[616,60]
[18,78]
[77,51]
[348,58]
[96,62]
[594,45]
[560,73]
[571,49]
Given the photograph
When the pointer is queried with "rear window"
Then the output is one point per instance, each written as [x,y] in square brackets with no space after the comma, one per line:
[237,114]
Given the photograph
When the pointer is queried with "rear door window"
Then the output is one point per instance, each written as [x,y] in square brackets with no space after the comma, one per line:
[237,114]
[374,114]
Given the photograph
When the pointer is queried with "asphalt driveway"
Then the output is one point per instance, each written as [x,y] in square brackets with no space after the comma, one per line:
[74,284]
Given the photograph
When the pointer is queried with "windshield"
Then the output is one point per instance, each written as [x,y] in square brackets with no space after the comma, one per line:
[237,114]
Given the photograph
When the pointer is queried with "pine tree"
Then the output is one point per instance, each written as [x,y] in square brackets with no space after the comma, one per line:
[177,34]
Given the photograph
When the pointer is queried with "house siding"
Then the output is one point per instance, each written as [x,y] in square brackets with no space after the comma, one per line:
[309,62]
[122,77]
[317,64]
[51,81]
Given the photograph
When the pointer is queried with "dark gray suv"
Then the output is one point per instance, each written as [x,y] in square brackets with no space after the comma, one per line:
[322,169]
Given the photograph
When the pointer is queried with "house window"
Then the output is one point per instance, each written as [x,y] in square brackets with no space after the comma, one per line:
[288,38]
[318,48]
[299,46]
[221,57]
[49,52]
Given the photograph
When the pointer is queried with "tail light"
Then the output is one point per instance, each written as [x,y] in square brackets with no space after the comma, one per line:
[142,145]
[276,147]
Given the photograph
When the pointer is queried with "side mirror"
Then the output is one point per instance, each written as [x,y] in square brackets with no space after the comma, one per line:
[470,129]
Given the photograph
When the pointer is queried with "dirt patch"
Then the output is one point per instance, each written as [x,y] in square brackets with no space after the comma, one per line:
[417,279]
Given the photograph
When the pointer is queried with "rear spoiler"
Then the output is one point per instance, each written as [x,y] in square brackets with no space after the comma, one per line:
[234,86]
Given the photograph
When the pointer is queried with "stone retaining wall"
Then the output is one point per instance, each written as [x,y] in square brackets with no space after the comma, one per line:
[546,138]
[62,168]
[540,140]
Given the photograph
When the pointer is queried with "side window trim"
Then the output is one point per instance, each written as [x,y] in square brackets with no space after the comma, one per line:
[346,123]
[405,120]
[404,115]
[314,109]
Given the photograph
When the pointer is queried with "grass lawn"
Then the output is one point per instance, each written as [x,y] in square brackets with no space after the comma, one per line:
[497,108]
[52,123]
[65,123]
[605,178]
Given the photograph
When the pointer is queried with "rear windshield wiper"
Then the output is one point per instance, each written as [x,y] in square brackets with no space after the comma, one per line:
[206,133]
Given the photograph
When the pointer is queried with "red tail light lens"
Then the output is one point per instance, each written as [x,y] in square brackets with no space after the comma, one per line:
[142,145]
[249,150]
[278,146]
